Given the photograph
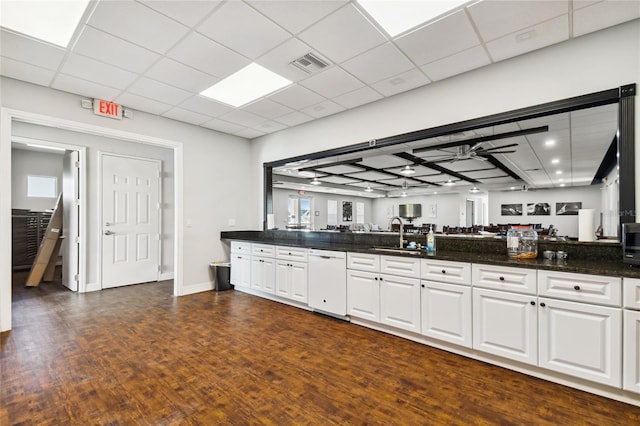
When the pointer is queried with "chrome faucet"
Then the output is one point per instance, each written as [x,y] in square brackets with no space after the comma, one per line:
[401,228]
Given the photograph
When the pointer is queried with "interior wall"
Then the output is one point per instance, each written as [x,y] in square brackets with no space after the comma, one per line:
[598,61]
[33,163]
[440,209]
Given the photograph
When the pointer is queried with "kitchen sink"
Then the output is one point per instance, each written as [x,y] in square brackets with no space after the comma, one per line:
[396,250]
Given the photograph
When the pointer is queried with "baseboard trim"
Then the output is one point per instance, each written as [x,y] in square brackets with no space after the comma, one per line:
[197,288]
[92,287]
[165,276]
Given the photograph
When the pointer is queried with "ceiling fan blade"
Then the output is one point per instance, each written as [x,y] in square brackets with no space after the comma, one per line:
[499,147]
[495,152]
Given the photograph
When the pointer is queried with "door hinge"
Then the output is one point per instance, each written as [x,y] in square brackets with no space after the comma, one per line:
[76,164]
[159,268]
[76,277]
[76,240]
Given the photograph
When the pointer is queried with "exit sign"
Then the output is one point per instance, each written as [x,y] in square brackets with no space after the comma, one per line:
[107,109]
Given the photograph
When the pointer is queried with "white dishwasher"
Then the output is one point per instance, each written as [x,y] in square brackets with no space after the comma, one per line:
[328,281]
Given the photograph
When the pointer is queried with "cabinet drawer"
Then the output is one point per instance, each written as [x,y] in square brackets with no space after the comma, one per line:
[518,280]
[240,247]
[291,253]
[263,250]
[446,271]
[580,287]
[363,262]
[397,265]
[631,293]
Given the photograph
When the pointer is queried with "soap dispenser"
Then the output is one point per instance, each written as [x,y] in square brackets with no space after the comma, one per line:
[431,240]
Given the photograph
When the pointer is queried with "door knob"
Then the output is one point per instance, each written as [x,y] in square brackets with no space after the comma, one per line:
[107,232]
[107,224]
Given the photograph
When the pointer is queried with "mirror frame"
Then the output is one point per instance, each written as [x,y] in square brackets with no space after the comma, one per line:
[624,96]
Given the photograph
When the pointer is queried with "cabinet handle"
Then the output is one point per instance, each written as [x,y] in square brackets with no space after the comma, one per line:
[380,278]
[576,287]
[543,304]
[375,278]
[444,271]
[501,278]
[533,303]
[422,285]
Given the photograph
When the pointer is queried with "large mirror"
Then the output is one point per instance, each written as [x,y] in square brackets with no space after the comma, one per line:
[534,166]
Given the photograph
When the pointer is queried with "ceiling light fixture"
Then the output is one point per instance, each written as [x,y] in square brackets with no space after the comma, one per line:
[51,21]
[408,170]
[369,189]
[550,142]
[450,182]
[315,181]
[474,190]
[555,161]
[558,172]
[250,83]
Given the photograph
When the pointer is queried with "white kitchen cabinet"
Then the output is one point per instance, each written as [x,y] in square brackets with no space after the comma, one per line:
[296,254]
[446,271]
[506,278]
[241,270]
[363,262]
[631,293]
[263,274]
[598,289]
[400,302]
[631,347]
[263,250]
[400,266]
[291,280]
[581,339]
[505,324]
[446,312]
[241,247]
[363,295]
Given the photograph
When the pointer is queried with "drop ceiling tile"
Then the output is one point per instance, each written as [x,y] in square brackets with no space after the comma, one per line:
[332,82]
[140,103]
[179,75]
[464,61]
[378,63]
[341,169]
[338,180]
[383,161]
[31,51]
[269,127]
[104,47]
[542,35]
[205,106]
[223,126]
[401,83]
[81,87]
[495,19]
[249,133]
[296,97]
[187,12]
[241,28]
[268,109]
[294,118]
[370,175]
[444,37]
[358,97]
[243,118]
[186,116]
[26,72]
[323,109]
[343,35]
[123,19]
[98,72]
[279,59]
[158,91]
[604,14]
[218,60]
[295,16]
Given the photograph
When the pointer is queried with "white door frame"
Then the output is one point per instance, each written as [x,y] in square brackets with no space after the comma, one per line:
[101,155]
[7,116]
[82,193]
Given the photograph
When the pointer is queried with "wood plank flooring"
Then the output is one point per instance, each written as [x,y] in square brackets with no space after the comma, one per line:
[137,355]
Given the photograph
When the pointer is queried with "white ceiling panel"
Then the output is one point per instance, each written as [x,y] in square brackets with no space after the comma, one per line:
[370,175]
[294,118]
[358,97]
[604,14]
[295,16]
[104,47]
[31,51]
[241,28]
[243,118]
[158,91]
[426,45]
[401,83]
[542,35]
[218,60]
[129,100]
[332,82]
[268,109]
[329,35]
[343,168]
[89,89]
[187,12]
[323,109]
[495,19]
[205,106]
[249,133]
[467,60]
[98,72]
[337,179]
[296,97]
[187,116]
[279,59]
[269,127]
[378,63]
[223,126]
[26,72]
[385,161]
[123,19]
[179,75]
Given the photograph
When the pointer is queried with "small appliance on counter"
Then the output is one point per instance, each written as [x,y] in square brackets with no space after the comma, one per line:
[631,243]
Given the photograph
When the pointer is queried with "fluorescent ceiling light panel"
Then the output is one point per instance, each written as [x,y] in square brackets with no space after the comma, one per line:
[398,16]
[248,84]
[52,21]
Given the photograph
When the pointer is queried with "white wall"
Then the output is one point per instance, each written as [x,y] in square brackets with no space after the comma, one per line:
[447,209]
[598,61]
[32,163]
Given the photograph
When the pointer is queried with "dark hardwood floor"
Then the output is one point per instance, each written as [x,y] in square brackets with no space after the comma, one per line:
[137,355]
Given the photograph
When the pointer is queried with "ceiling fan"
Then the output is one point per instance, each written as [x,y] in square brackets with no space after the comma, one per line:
[475,152]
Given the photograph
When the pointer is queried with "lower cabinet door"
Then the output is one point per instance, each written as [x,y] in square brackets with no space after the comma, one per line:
[446,312]
[282,278]
[505,324]
[241,270]
[400,302]
[268,275]
[631,357]
[299,282]
[363,295]
[582,340]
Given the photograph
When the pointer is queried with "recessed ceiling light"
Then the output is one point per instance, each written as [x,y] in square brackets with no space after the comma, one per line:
[315,181]
[555,161]
[51,21]
[512,188]
[558,172]
[550,142]
[562,184]
[560,180]
[398,16]
[248,84]
[435,192]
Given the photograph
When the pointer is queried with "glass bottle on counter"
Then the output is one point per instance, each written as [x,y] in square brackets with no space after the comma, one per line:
[431,240]
[522,242]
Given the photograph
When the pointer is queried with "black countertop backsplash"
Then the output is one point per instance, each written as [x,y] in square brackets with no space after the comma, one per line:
[598,258]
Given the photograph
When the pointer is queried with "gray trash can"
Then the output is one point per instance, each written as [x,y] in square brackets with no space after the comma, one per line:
[221,272]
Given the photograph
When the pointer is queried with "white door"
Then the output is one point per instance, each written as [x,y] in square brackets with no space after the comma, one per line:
[131,220]
[71,220]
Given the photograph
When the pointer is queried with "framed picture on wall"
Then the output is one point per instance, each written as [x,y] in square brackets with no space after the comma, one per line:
[538,209]
[347,211]
[568,208]
[511,209]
